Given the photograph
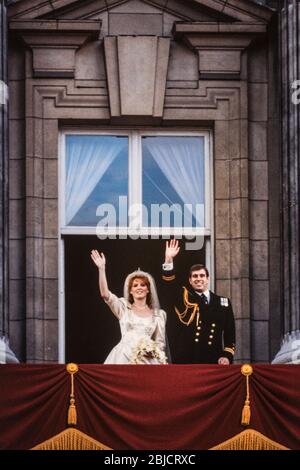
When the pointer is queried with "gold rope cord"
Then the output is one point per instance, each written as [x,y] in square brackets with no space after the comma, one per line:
[188,305]
[71,439]
[246,370]
[72,414]
[249,440]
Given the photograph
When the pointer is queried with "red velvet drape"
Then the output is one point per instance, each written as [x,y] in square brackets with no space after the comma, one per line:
[148,407]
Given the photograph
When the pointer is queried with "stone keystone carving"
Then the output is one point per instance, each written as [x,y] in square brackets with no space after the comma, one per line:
[136,74]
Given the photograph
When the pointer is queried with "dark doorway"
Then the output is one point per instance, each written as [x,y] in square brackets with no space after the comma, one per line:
[91,329]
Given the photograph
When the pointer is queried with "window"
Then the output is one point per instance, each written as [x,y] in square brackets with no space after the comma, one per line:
[136,183]
[131,189]
[96,172]
[173,176]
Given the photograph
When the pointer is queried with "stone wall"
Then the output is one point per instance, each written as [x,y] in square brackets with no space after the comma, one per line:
[79,70]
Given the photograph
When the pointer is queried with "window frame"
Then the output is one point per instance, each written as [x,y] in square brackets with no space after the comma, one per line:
[133,191]
[135,184]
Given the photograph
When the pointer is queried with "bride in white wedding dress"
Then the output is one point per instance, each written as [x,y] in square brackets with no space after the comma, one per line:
[142,322]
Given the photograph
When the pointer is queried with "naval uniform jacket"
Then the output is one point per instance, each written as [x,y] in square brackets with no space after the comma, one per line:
[198,333]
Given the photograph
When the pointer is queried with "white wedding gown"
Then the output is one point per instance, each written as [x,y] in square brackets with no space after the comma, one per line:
[133,329]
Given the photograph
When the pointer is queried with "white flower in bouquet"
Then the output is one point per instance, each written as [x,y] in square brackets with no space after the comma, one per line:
[145,349]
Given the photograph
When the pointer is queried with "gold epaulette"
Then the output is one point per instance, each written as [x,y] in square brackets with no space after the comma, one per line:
[230,350]
[169,278]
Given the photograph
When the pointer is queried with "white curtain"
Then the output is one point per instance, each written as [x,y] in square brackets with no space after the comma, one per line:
[181,159]
[88,158]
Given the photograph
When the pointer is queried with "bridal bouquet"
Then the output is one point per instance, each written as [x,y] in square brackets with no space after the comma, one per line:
[145,349]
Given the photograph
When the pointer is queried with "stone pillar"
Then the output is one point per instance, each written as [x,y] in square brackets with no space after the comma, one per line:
[3,170]
[6,355]
[290,50]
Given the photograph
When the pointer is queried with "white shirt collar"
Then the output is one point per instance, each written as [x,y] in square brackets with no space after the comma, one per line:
[206,293]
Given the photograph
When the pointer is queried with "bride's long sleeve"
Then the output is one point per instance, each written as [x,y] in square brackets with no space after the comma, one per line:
[160,331]
[116,304]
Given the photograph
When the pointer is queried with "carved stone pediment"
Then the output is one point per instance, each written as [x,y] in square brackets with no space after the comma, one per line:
[207,10]
[137,36]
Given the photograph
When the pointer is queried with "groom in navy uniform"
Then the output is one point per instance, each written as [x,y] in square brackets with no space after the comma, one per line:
[201,327]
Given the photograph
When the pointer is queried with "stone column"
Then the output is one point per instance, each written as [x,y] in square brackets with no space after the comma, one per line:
[6,355]
[290,50]
[3,170]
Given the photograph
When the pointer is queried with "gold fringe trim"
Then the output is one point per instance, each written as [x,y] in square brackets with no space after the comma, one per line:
[246,370]
[249,440]
[72,413]
[71,439]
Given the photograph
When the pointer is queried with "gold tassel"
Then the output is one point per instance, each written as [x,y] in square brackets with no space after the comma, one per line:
[246,413]
[72,413]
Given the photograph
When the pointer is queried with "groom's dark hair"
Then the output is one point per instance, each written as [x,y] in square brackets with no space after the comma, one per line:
[197,267]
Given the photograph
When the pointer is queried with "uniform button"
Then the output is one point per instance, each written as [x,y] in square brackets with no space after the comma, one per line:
[213,325]
[198,327]
[211,336]
[212,331]
[196,340]
[209,342]
[197,334]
